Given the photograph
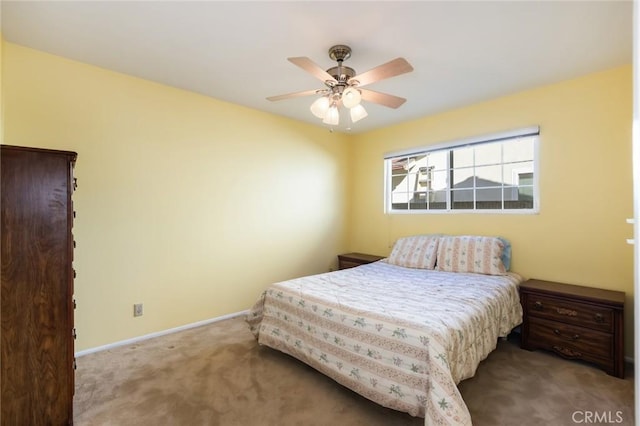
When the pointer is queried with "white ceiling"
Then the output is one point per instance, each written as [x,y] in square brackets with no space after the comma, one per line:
[462,52]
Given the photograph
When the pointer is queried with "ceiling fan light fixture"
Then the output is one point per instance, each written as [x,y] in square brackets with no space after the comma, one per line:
[351,97]
[320,106]
[358,113]
[332,117]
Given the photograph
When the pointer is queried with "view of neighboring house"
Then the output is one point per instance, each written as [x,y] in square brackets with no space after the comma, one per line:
[480,176]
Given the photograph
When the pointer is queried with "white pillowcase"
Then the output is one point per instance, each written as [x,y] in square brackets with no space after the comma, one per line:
[465,253]
[418,251]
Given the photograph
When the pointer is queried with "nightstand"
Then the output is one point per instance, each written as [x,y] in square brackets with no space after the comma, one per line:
[350,260]
[575,322]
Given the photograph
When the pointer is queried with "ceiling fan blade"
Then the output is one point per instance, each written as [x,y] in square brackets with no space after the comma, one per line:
[312,68]
[292,95]
[390,69]
[382,98]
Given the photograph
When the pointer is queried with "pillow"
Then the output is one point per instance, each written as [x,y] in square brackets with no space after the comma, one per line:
[418,251]
[466,253]
[506,253]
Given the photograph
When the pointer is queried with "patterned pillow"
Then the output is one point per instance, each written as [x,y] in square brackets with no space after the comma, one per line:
[418,251]
[481,255]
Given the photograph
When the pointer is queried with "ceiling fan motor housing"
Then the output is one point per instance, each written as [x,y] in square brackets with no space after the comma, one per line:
[340,73]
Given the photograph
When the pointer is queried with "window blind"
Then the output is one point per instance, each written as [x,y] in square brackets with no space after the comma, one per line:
[495,137]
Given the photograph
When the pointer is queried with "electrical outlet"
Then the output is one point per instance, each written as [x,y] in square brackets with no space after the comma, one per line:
[137,310]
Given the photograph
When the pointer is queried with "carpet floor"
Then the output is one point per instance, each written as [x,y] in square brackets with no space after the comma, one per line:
[218,375]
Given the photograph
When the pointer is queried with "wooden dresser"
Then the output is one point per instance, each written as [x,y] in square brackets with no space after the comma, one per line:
[349,260]
[37,352]
[575,322]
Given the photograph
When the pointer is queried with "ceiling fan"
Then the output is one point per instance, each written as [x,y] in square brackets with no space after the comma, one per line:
[344,86]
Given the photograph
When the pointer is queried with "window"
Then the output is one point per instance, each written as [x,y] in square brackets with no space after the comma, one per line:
[487,174]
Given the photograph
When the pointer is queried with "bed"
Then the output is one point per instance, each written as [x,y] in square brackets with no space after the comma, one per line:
[403,331]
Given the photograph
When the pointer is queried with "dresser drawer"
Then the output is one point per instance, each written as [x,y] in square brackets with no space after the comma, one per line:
[580,341]
[568,311]
[575,322]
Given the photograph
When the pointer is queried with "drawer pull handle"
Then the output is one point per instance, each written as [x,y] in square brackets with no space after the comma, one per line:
[570,338]
[568,312]
[566,352]
[599,318]
[537,306]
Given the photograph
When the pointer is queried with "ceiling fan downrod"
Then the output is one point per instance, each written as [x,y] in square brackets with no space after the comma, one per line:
[341,73]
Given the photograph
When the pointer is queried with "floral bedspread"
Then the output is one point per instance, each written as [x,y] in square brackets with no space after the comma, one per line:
[401,337]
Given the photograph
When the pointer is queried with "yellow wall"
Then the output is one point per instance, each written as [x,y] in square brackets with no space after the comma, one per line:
[192,205]
[580,234]
[186,204]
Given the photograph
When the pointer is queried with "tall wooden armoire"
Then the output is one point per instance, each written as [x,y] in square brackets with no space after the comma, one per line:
[37,331]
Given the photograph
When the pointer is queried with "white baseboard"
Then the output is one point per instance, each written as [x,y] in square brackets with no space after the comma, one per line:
[159,333]
[627,359]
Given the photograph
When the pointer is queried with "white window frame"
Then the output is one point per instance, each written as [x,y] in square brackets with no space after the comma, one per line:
[533,131]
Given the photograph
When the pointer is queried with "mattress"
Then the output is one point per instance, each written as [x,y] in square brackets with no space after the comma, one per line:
[402,337]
